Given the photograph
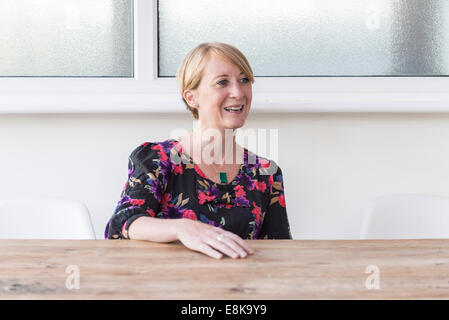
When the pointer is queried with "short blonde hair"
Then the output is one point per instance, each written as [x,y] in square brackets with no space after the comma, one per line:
[191,69]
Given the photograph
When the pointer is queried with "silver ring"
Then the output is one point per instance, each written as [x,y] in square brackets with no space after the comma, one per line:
[220,237]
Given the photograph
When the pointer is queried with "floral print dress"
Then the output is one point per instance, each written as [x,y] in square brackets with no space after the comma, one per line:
[164,182]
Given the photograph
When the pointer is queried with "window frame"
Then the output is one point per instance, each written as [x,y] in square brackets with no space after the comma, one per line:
[147,93]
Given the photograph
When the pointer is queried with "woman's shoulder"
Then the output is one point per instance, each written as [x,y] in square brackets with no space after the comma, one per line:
[263,165]
[150,155]
[151,150]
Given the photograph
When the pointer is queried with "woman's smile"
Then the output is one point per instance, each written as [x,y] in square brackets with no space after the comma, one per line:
[236,109]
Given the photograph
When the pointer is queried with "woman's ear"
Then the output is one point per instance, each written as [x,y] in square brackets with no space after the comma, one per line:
[189,97]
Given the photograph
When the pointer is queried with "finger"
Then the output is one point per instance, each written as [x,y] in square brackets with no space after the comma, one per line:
[239,241]
[236,243]
[235,246]
[223,247]
[207,250]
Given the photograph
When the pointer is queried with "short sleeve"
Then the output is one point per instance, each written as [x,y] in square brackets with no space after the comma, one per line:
[143,192]
[275,223]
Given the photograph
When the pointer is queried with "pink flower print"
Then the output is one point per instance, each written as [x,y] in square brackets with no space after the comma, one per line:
[177,169]
[161,151]
[282,200]
[137,202]
[239,192]
[203,197]
[165,200]
[256,211]
[264,163]
[189,214]
[261,186]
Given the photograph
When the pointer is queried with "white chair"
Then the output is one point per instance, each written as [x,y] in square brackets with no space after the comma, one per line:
[44,218]
[407,216]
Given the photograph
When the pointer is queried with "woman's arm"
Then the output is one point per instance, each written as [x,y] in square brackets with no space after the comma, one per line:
[195,235]
[275,222]
[142,193]
[153,229]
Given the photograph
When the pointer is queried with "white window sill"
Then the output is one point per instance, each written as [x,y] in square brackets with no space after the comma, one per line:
[270,95]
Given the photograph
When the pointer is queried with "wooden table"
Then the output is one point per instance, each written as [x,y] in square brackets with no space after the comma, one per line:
[280,269]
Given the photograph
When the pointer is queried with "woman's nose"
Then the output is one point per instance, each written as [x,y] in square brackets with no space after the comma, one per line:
[236,91]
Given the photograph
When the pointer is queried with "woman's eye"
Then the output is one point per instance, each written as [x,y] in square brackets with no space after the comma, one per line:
[224,82]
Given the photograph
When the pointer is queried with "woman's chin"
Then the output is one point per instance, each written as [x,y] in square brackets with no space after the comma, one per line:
[234,124]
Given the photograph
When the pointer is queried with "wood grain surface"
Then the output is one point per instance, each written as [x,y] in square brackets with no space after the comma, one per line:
[280,269]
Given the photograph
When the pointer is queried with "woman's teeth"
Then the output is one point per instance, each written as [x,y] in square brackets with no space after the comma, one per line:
[234,109]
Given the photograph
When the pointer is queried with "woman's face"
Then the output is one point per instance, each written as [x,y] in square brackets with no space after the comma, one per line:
[223,85]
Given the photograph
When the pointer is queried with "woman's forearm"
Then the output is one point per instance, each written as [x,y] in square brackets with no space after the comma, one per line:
[195,235]
[154,229]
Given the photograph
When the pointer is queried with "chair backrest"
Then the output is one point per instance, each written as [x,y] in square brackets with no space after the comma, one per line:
[44,218]
[407,216]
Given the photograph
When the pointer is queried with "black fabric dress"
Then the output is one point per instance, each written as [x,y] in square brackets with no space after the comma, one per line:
[164,182]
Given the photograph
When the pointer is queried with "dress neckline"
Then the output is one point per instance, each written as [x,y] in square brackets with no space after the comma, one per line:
[178,147]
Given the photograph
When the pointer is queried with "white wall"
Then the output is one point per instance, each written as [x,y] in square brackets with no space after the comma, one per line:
[333,164]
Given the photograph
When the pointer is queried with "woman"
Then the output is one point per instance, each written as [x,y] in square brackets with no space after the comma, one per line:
[210,206]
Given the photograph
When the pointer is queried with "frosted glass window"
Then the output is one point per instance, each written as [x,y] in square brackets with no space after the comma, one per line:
[68,38]
[313,37]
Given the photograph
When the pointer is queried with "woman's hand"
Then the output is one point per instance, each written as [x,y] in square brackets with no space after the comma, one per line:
[211,240]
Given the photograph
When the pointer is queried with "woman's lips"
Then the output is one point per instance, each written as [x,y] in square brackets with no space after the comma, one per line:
[233,109]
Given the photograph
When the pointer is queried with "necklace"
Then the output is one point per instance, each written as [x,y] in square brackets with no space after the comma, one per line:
[223,175]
